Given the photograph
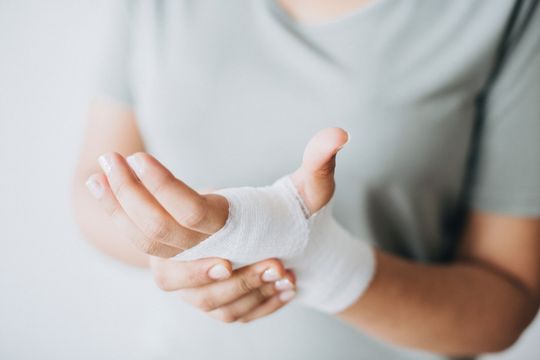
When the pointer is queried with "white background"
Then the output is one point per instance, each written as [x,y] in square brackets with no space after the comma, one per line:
[59,298]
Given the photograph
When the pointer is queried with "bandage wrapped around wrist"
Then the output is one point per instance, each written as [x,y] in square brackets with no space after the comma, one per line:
[332,268]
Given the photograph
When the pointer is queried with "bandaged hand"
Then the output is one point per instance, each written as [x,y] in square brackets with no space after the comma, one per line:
[290,220]
[162,216]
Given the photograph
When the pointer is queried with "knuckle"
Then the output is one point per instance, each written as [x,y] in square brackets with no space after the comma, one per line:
[162,281]
[205,303]
[226,316]
[265,292]
[157,229]
[195,214]
[244,285]
[149,247]
[259,295]
[327,170]
[195,276]
[162,182]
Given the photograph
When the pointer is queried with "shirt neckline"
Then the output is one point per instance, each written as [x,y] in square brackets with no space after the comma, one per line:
[284,16]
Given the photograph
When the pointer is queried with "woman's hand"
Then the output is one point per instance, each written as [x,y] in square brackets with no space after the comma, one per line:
[161,215]
[244,295]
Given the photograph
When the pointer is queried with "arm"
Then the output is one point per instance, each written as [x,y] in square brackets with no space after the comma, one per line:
[480,303]
[111,127]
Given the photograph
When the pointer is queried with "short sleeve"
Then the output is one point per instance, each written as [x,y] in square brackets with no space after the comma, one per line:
[507,178]
[113,71]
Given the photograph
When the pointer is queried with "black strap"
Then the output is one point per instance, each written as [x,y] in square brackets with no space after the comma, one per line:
[515,27]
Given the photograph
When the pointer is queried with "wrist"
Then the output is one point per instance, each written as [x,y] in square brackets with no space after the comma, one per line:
[336,268]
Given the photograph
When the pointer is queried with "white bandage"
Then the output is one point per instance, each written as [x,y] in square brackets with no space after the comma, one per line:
[332,268]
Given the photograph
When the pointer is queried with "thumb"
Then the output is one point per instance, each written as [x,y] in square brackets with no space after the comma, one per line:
[315,177]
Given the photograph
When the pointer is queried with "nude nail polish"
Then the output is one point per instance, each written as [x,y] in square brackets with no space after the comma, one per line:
[105,163]
[95,187]
[287,296]
[135,163]
[218,272]
[270,274]
[346,142]
[283,284]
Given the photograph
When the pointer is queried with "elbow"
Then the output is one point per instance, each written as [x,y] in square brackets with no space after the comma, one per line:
[506,332]
[489,341]
[497,333]
[503,342]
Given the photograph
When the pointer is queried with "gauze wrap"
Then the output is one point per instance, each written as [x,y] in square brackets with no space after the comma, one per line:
[332,268]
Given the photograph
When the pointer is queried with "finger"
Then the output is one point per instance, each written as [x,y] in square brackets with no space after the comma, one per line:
[236,309]
[270,306]
[321,149]
[249,302]
[100,189]
[203,213]
[315,177]
[142,208]
[171,275]
[285,292]
[242,282]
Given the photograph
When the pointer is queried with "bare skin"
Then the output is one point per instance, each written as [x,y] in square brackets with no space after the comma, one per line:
[480,303]
[320,11]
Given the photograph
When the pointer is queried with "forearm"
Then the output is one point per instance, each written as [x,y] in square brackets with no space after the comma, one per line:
[457,309]
[111,127]
[98,229]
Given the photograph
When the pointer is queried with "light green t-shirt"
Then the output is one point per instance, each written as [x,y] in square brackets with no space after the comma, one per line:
[227,93]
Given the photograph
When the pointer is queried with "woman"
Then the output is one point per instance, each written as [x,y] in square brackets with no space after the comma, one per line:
[441,177]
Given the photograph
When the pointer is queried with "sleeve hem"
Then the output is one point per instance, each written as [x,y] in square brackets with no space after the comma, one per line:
[525,205]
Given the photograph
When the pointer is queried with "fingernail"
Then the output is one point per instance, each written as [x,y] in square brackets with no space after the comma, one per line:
[95,187]
[105,163]
[346,142]
[218,272]
[270,274]
[287,295]
[135,163]
[283,284]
